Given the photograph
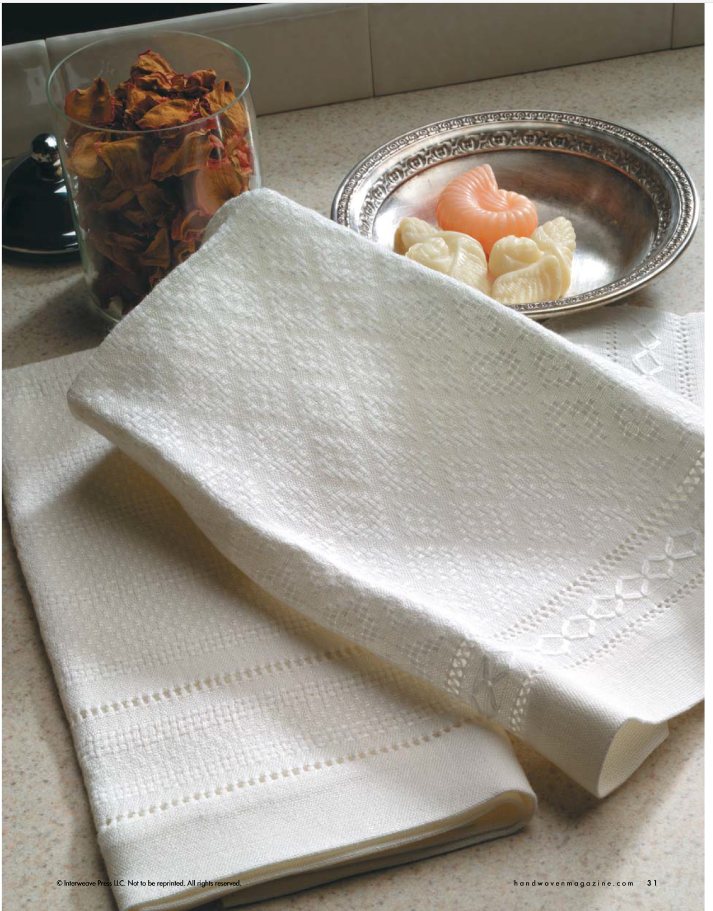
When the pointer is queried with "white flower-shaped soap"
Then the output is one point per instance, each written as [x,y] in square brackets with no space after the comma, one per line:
[413,231]
[558,238]
[511,253]
[522,265]
[454,254]
[538,282]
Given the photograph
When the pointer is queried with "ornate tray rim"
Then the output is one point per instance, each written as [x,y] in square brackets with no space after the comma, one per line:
[654,264]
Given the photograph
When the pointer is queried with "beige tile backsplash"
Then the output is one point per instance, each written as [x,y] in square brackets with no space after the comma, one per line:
[25,111]
[688,25]
[301,55]
[417,46]
[308,54]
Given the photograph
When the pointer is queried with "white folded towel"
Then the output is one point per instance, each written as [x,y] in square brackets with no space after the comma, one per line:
[432,476]
[397,458]
[221,735]
[663,348]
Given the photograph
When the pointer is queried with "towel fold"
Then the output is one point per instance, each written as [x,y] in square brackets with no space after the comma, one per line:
[434,477]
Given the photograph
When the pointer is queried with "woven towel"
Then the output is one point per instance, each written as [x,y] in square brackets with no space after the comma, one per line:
[432,476]
[222,736]
[661,348]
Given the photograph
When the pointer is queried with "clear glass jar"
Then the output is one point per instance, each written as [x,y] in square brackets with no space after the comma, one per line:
[152,143]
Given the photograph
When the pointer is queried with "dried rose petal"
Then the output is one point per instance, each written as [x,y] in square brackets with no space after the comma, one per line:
[235,119]
[116,247]
[190,155]
[220,97]
[158,252]
[195,85]
[239,153]
[214,186]
[124,241]
[121,91]
[183,250]
[153,200]
[137,217]
[74,131]
[84,160]
[120,202]
[151,62]
[149,207]
[128,159]
[189,226]
[152,72]
[169,113]
[153,83]
[94,105]
[138,102]
[109,189]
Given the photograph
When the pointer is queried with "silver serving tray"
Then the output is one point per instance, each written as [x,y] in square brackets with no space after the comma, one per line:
[633,206]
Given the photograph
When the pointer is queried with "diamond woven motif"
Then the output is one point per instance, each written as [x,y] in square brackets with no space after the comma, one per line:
[648,363]
[683,544]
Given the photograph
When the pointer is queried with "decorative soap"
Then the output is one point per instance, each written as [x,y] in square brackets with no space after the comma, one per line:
[518,264]
[510,253]
[412,231]
[538,282]
[558,237]
[475,205]
[526,270]
[456,255]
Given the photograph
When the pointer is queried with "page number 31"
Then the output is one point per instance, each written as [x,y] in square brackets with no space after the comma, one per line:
[651,882]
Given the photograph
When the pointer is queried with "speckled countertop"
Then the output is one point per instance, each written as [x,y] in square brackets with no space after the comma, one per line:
[650,829]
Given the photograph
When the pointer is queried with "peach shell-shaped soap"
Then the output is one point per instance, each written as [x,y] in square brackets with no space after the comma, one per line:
[475,205]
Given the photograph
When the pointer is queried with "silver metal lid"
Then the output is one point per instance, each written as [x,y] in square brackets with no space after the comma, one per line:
[36,211]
